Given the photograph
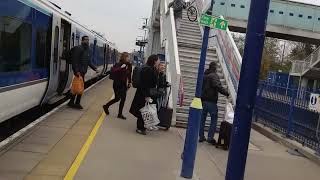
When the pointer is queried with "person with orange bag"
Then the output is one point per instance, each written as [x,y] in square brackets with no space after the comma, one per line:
[81,59]
[77,85]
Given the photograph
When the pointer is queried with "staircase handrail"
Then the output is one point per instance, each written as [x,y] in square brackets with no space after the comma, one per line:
[230,66]
[307,63]
[169,42]
[229,58]
[311,59]
[297,67]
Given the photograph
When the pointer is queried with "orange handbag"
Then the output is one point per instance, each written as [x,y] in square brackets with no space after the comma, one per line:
[77,86]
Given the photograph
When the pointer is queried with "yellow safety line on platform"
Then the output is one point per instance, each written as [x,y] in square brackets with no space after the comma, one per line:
[84,150]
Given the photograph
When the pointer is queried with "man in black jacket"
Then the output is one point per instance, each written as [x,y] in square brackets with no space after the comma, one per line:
[81,59]
[211,87]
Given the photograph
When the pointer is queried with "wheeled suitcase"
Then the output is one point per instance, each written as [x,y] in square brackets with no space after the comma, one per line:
[165,114]
[224,135]
[165,117]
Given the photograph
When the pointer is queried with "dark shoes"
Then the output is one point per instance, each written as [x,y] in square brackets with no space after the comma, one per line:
[75,106]
[202,139]
[121,117]
[142,132]
[106,109]
[78,106]
[71,104]
[212,142]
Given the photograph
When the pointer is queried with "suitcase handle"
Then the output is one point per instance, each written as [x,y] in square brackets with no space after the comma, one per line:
[168,97]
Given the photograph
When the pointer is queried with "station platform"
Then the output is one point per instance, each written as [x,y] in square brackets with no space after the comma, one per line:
[82,145]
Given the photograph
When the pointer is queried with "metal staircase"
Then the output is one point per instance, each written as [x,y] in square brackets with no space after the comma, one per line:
[189,45]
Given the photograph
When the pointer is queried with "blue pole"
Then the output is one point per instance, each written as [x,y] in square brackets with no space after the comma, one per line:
[195,111]
[247,89]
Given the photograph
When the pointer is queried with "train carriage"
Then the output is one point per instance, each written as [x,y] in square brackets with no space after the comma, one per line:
[35,37]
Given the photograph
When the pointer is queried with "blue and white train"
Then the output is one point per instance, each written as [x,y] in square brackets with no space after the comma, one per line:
[35,36]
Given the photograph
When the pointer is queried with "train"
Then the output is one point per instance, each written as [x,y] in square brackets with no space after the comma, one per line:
[35,38]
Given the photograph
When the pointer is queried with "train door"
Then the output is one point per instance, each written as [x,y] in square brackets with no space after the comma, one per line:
[63,68]
[115,58]
[54,62]
[107,58]
[105,63]
[72,44]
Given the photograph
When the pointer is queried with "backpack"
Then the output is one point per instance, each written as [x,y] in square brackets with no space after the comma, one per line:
[136,76]
[112,75]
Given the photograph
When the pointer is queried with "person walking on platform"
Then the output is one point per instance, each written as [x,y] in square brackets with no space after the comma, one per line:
[121,73]
[211,87]
[146,91]
[178,6]
[81,59]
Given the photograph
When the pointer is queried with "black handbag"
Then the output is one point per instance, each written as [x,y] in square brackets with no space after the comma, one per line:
[165,114]
[154,92]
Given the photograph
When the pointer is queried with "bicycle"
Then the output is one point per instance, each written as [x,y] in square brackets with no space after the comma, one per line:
[192,12]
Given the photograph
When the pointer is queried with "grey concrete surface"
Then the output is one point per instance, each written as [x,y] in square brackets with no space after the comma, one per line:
[118,153]
[49,149]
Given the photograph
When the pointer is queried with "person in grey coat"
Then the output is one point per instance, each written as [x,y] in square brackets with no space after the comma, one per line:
[81,58]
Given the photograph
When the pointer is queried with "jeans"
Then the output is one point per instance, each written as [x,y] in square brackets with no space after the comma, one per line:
[212,109]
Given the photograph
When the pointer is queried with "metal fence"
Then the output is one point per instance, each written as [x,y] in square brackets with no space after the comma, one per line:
[286,110]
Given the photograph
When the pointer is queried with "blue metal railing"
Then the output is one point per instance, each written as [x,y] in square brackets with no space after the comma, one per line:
[286,110]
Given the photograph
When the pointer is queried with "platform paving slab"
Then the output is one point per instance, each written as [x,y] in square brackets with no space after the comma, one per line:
[119,153]
[48,150]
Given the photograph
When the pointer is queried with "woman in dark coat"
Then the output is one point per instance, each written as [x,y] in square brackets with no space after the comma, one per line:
[149,81]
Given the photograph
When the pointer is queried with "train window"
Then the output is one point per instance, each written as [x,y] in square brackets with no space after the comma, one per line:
[309,17]
[233,5]
[43,45]
[271,11]
[77,39]
[72,40]
[15,45]
[291,14]
[56,45]
[222,3]
[280,12]
[242,6]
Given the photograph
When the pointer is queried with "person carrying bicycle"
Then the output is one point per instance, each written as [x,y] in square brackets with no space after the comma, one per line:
[178,6]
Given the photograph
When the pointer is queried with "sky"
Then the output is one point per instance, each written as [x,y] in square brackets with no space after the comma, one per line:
[119,20]
[315,2]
